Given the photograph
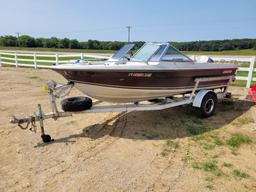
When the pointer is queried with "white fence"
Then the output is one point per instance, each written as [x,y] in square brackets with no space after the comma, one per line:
[45,59]
[244,59]
[41,59]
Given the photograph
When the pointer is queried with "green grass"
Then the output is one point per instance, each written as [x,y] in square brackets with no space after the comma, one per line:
[195,126]
[208,140]
[43,57]
[57,50]
[244,73]
[169,146]
[210,186]
[227,164]
[238,139]
[243,121]
[244,52]
[210,166]
[239,83]
[154,134]
[240,174]
[150,135]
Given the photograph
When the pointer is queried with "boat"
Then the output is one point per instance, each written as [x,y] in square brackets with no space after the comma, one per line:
[156,70]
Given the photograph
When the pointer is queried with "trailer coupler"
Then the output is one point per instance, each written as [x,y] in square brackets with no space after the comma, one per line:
[31,121]
[54,91]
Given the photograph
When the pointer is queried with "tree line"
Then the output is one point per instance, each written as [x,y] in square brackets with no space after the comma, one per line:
[53,42]
[216,45]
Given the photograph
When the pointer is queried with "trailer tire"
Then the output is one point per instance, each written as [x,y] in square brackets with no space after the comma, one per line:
[75,104]
[208,105]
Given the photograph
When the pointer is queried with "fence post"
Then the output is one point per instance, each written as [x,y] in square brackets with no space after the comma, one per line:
[16,59]
[0,59]
[250,73]
[57,59]
[193,57]
[82,56]
[35,63]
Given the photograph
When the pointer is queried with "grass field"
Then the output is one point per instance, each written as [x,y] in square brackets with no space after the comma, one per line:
[58,50]
[245,52]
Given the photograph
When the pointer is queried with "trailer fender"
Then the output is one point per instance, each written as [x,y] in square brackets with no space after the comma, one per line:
[200,96]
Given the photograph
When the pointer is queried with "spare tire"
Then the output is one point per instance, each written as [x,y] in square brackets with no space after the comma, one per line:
[73,104]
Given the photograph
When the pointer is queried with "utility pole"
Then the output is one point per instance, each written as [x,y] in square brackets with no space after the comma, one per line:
[18,39]
[129,33]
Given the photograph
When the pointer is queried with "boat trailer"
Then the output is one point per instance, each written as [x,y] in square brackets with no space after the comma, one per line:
[56,91]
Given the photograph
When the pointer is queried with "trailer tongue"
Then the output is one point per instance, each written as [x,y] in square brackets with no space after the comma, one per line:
[204,100]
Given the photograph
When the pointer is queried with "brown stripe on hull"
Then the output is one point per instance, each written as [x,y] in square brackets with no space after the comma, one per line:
[147,79]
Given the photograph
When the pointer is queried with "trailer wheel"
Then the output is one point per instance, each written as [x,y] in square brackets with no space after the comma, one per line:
[208,105]
[73,104]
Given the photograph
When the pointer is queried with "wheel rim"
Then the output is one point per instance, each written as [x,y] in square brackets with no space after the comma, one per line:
[209,106]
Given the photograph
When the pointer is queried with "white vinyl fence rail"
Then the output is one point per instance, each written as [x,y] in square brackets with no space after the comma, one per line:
[45,60]
[244,59]
[37,60]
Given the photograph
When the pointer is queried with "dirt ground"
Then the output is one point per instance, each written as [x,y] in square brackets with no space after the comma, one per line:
[169,150]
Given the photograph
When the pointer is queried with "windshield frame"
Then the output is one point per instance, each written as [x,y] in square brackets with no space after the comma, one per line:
[189,59]
[148,59]
[162,55]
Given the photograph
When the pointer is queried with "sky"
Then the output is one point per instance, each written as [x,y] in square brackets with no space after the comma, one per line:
[151,20]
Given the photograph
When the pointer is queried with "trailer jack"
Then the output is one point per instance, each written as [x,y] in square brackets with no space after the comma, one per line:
[54,91]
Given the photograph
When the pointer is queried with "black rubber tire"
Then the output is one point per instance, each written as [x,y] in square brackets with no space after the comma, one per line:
[208,105]
[75,104]
[46,138]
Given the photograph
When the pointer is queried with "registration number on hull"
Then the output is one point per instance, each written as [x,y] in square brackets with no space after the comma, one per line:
[227,71]
[139,74]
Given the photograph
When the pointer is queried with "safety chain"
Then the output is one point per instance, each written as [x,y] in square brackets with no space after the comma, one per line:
[31,121]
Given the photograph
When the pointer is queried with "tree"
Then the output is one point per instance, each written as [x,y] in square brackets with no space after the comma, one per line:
[65,43]
[39,42]
[74,44]
[8,40]
[93,44]
[84,45]
[27,41]
[53,42]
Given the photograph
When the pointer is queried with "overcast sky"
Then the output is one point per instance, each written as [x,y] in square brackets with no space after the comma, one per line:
[158,20]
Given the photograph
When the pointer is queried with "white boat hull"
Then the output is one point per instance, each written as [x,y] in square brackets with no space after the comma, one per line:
[125,95]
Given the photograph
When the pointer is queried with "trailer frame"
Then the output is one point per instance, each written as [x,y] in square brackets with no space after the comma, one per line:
[58,90]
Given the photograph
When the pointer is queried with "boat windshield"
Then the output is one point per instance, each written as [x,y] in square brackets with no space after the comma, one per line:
[174,55]
[146,52]
[123,51]
[159,52]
